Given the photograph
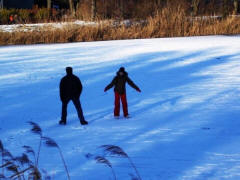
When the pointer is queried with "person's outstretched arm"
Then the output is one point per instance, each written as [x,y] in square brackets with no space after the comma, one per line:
[131,83]
[111,84]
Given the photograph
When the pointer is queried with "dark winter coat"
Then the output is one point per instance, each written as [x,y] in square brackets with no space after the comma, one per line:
[119,81]
[70,87]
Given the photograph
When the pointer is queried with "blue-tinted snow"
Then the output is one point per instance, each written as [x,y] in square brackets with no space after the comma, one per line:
[185,124]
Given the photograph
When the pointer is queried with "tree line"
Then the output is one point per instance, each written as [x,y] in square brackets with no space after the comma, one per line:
[142,8]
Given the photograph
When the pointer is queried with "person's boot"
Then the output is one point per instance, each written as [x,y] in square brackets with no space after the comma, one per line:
[127,116]
[62,122]
[84,123]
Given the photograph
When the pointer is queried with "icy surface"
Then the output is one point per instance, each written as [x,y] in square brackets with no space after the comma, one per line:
[184,125]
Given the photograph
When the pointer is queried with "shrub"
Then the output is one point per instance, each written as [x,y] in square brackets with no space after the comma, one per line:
[42,15]
[83,11]
[5,14]
[24,15]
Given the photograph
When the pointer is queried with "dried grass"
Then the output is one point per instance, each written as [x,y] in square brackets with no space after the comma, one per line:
[169,22]
[21,166]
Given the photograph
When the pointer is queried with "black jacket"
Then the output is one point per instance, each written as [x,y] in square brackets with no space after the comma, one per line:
[70,87]
[120,83]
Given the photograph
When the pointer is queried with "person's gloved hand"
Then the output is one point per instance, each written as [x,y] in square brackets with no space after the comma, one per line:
[138,90]
[105,89]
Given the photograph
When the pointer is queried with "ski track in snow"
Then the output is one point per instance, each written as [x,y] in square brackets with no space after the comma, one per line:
[184,125]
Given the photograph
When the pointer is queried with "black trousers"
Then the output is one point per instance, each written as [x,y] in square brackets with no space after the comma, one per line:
[78,107]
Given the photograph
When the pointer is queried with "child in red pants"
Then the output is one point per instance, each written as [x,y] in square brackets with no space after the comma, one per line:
[119,83]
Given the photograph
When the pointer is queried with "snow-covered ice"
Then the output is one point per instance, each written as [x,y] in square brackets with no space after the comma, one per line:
[42,26]
[184,125]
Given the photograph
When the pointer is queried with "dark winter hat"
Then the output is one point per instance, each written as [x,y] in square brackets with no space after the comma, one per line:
[69,70]
[122,69]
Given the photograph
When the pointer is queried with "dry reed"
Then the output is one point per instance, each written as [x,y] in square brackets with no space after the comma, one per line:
[169,22]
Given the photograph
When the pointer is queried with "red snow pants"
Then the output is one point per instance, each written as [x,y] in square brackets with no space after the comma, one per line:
[117,104]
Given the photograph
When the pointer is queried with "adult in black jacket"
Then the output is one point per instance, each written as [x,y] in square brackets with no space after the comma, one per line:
[119,83]
[71,89]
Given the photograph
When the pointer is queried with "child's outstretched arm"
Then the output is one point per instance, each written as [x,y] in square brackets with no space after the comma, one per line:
[110,85]
[131,83]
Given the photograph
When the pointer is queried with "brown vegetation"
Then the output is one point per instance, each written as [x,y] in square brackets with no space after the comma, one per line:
[169,22]
[114,9]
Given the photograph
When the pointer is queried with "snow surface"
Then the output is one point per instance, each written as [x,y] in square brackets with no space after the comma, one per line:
[184,125]
[41,26]
[61,25]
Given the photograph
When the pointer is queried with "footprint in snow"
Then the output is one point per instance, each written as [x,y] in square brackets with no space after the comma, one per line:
[205,128]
